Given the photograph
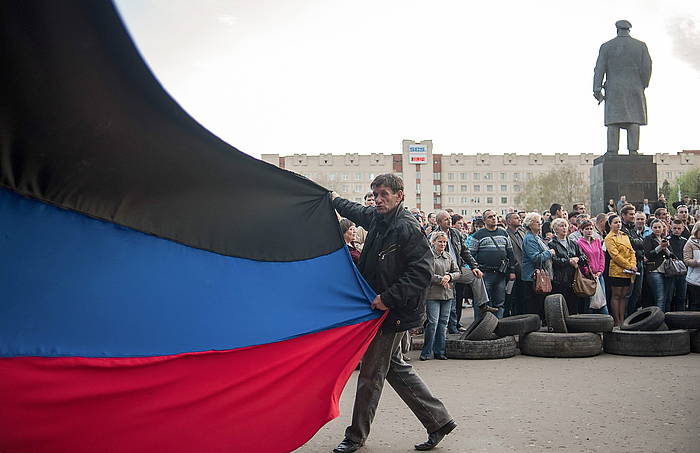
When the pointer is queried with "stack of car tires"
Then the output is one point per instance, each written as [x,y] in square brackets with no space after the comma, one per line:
[490,338]
[650,333]
[566,336]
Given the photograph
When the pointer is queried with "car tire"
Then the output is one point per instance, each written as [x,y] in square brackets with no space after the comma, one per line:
[646,319]
[554,344]
[589,323]
[694,340]
[499,348]
[518,325]
[555,311]
[482,329]
[683,319]
[647,343]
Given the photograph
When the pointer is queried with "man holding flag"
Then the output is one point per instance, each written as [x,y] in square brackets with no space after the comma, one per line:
[396,261]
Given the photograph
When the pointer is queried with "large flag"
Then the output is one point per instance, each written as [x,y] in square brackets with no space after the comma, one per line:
[159,289]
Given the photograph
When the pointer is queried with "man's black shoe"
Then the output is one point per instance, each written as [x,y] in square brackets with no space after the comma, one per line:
[347,446]
[435,437]
[441,356]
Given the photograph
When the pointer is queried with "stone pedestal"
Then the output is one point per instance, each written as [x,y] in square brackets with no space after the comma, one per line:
[613,175]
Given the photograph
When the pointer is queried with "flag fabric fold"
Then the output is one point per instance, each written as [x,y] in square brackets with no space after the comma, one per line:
[159,288]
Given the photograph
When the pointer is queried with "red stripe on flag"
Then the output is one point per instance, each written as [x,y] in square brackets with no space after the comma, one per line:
[267,398]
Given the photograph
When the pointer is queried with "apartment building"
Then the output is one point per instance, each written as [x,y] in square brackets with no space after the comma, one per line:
[464,182]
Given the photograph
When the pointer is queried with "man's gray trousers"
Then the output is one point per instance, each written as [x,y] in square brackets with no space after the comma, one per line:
[381,362]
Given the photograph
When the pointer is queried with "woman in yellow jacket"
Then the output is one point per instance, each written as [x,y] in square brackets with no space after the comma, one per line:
[623,266]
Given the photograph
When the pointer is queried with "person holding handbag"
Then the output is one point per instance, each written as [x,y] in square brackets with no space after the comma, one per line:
[656,250]
[592,248]
[536,257]
[691,258]
[565,262]
[623,266]
[677,287]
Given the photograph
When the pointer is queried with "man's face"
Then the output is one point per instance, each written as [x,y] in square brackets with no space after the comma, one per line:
[444,222]
[600,224]
[385,199]
[676,229]
[628,216]
[514,221]
[682,213]
[645,201]
[581,209]
[490,219]
[623,198]
[521,214]
[431,219]
[640,220]
[369,201]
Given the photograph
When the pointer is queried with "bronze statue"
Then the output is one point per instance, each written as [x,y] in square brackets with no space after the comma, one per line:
[625,65]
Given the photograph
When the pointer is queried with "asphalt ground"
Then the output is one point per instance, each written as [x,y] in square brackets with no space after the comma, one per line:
[607,403]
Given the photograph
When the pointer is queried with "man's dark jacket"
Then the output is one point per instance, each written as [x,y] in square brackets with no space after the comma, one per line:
[516,238]
[396,261]
[636,239]
[461,251]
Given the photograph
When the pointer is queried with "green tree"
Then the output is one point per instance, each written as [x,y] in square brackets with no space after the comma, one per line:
[562,185]
[688,183]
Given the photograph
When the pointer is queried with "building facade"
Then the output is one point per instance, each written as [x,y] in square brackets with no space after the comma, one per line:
[467,183]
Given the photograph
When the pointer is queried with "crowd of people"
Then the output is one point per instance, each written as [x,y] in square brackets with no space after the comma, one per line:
[633,257]
[428,267]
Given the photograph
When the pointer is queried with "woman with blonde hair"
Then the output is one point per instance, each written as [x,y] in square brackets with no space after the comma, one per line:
[656,250]
[566,260]
[623,266]
[536,255]
[439,299]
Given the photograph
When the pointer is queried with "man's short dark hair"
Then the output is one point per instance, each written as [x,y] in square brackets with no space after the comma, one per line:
[390,180]
[677,221]
[627,208]
[554,208]
[572,215]
[368,194]
[510,216]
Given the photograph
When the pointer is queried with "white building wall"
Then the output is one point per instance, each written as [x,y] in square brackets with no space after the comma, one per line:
[468,182]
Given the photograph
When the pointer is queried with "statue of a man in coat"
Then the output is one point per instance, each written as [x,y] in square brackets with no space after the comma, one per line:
[621,74]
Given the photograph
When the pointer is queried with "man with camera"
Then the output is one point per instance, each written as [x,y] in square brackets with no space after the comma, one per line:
[493,251]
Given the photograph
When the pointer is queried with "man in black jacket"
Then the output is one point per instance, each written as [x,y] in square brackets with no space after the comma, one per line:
[397,262]
[627,213]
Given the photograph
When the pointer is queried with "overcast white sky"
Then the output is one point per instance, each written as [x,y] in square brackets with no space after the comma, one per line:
[313,76]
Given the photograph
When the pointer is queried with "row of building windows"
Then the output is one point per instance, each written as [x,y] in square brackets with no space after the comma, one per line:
[477,188]
[474,200]
[488,176]
[332,177]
